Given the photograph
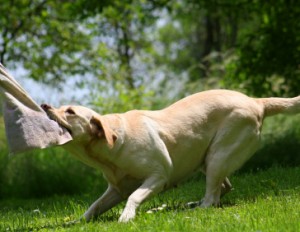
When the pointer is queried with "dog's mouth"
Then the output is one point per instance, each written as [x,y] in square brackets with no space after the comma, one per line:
[53,116]
[64,125]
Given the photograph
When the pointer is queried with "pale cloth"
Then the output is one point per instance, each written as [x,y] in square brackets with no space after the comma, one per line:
[27,125]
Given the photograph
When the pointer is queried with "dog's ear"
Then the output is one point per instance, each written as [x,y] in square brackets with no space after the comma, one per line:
[101,129]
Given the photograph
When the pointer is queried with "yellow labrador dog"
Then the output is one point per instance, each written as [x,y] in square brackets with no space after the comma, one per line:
[143,152]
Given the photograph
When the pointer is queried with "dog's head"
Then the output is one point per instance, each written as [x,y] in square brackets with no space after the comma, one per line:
[82,123]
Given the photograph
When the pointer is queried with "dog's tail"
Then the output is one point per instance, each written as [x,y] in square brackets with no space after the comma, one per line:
[274,105]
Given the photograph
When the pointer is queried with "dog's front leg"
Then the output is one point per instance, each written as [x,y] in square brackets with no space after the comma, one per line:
[152,185]
[109,199]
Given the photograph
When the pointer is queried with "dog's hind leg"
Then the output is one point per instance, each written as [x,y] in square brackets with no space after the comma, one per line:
[232,147]
[226,187]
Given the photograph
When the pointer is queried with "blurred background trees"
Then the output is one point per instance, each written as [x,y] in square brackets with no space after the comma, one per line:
[155,45]
[123,54]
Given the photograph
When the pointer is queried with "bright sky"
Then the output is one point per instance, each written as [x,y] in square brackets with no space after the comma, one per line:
[41,93]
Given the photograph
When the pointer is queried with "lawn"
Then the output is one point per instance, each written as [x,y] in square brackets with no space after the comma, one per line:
[266,200]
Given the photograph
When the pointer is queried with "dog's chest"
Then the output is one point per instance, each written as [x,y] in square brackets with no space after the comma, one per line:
[111,172]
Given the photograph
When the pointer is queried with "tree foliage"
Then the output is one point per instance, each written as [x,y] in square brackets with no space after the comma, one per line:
[270,52]
[44,38]
[248,44]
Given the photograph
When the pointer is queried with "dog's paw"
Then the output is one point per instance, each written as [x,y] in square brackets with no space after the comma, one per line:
[127,215]
[209,202]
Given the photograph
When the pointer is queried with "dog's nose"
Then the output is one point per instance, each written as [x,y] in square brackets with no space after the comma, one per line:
[46,107]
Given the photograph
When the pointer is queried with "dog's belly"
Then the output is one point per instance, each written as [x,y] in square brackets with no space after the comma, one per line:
[188,159]
[185,170]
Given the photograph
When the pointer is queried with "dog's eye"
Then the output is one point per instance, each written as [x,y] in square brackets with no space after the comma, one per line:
[70,111]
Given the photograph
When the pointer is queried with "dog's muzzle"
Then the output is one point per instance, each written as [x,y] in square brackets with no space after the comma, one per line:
[52,115]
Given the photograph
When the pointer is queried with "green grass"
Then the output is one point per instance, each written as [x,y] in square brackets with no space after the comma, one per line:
[263,201]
